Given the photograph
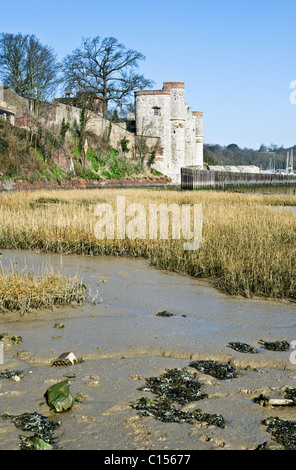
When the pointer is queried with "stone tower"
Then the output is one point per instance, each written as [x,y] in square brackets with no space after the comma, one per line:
[164,114]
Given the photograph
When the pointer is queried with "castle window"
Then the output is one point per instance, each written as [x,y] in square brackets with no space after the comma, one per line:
[156,111]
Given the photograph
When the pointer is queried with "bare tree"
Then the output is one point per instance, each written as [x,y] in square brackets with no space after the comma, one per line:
[28,67]
[13,61]
[105,67]
[42,71]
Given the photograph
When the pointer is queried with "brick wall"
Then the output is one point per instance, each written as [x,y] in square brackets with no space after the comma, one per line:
[21,185]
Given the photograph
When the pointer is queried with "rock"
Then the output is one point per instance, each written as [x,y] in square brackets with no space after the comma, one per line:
[274,401]
[270,445]
[218,370]
[165,313]
[41,426]
[275,345]
[65,359]
[8,340]
[35,443]
[16,375]
[59,398]
[283,432]
[242,347]
[214,419]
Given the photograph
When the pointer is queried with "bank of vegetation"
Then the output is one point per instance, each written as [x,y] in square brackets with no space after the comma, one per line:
[32,155]
[26,291]
[249,247]
[266,157]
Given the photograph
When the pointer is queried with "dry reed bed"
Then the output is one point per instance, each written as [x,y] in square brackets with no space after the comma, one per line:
[25,291]
[247,248]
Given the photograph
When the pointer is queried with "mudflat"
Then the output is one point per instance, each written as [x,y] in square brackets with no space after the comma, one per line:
[124,340]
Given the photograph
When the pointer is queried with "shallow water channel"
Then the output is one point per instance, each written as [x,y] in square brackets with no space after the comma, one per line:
[123,341]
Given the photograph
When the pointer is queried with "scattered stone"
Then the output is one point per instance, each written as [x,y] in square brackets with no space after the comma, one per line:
[65,359]
[270,445]
[23,355]
[11,374]
[165,313]
[273,401]
[275,345]
[43,428]
[59,326]
[59,398]
[34,443]
[290,393]
[8,340]
[215,419]
[242,347]
[218,370]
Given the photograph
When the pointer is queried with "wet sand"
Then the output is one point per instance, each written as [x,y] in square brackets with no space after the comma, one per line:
[122,341]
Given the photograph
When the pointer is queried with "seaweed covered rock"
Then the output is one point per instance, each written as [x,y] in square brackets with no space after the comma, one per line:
[162,410]
[290,394]
[43,428]
[59,398]
[11,374]
[242,347]
[218,370]
[284,432]
[35,443]
[275,345]
[165,313]
[215,419]
[8,340]
[174,386]
[178,385]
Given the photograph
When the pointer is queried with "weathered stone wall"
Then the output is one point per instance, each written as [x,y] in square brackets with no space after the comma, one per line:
[163,123]
[155,126]
[52,115]
[180,130]
[14,102]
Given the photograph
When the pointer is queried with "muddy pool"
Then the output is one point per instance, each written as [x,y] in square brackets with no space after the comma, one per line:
[122,341]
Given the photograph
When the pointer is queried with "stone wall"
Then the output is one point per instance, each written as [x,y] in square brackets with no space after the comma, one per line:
[22,185]
[164,114]
[163,125]
[52,115]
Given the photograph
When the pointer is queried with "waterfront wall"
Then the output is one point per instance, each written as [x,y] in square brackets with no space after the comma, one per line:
[192,178]
[23,185]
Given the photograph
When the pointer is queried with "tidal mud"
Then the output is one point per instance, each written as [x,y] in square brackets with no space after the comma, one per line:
[124,343]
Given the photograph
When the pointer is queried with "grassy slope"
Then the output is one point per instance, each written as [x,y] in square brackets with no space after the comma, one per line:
[30,155]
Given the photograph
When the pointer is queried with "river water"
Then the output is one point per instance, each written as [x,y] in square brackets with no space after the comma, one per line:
[123,341]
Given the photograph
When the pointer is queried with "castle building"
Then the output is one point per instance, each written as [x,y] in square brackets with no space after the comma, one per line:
[164,114]
[163,124]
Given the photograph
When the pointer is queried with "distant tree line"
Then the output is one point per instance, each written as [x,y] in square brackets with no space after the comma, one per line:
[266,157]
[101,66]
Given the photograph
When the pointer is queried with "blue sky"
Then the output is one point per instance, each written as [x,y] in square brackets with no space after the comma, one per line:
[236,57]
